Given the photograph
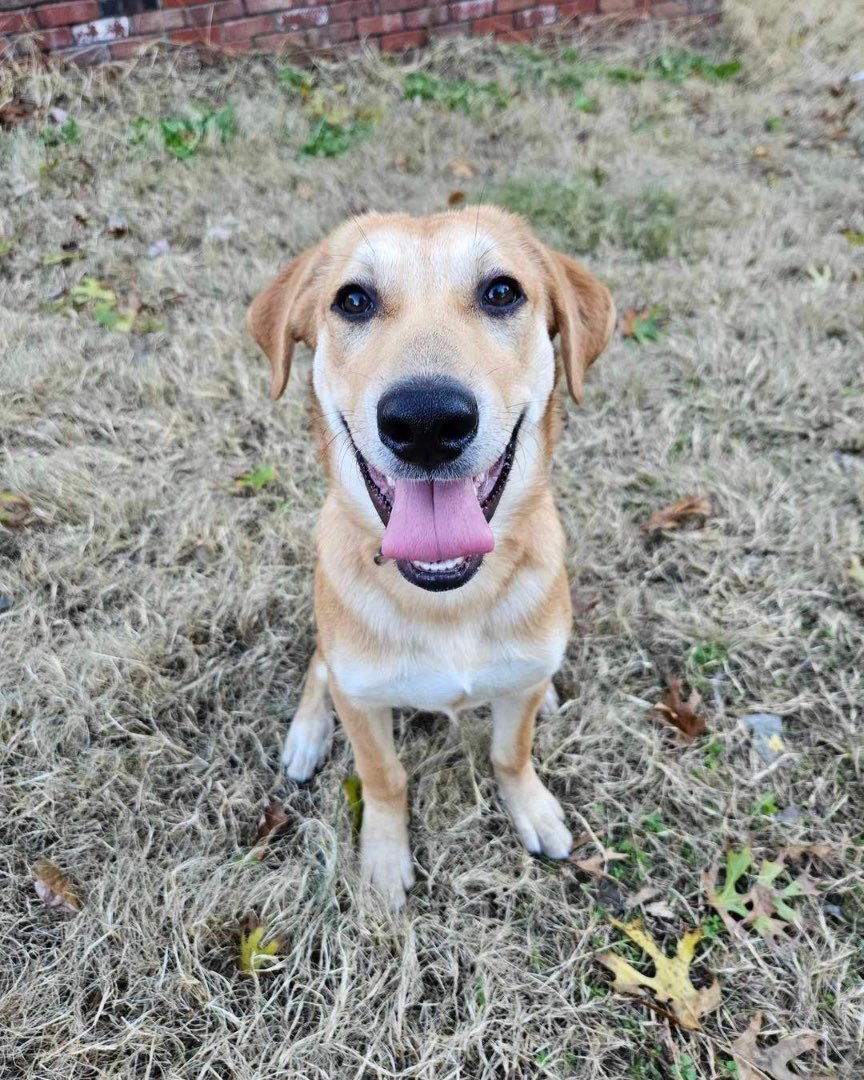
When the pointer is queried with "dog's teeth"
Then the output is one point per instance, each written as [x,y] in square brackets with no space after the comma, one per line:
[439,567]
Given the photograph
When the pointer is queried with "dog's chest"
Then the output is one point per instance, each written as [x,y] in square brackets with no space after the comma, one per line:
[447,671]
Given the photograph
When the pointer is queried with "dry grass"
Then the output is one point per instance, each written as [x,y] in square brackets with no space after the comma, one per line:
[161,624]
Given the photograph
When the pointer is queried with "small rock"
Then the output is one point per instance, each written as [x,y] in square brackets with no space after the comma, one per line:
[59,116]
[218,232]
[790,815]
[157,248]
[766,732]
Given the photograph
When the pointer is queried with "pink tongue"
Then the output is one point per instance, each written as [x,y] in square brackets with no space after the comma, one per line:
[433,520]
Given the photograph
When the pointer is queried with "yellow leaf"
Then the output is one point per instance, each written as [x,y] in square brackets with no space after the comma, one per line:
[670,984]
[54,888]
[253,952]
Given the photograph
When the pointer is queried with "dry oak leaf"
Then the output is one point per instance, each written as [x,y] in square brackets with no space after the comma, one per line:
[754,1062]
[272,821]
[595,865]
[463,170]
[54,888]
[671,984]
[683,715]
[15,510]
[671,516]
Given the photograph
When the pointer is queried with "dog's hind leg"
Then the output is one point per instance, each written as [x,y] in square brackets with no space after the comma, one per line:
[311,732]
[536,813]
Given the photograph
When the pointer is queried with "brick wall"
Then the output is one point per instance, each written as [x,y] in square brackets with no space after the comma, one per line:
[96,30]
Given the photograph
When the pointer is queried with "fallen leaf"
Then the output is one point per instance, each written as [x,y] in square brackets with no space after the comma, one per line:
[16,511]
[456,198]
[796,852]
[595,865]
[13,113]
[272,821]
[671,516]
[761,152]
[646,893]
[254,953]
[754,1061]
[765,905]
[683,715]
[671,983]
[766,733]
[462,169]
[853,237]
[54,888]
[640,325]
[583,602]
[855,570]
[660,910]
[255,479]
[117,226]
[305,191]
[353,788]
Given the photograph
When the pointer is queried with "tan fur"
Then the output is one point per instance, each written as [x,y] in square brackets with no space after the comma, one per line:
[383,642]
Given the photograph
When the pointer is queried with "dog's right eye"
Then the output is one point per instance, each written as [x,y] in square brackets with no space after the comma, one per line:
[354,301]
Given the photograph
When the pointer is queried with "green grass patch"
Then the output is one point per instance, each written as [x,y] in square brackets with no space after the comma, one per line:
[462,95]
[577,217]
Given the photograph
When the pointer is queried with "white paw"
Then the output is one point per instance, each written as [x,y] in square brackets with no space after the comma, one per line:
[538,817]
[550,703]
[306,745]
[385,856]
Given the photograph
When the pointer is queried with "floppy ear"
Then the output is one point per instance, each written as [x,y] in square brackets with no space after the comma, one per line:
[285,313]
[583,316]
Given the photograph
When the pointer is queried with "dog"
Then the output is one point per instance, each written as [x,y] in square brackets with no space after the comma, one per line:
[440,582]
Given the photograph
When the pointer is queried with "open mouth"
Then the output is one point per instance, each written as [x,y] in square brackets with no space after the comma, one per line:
[437,530]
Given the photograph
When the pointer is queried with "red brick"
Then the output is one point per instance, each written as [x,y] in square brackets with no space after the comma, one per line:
[301,18]
[379,24]
[511,36]
[76,11]
[152,22]
[179,3]
[338,32]
[197,35]
[419,20]
[670,10]
[246,29]
[97,54]
[493,24]
[122,50]
[351,9]
[14,22]
[579,7]
[279,42]
[208,14]
[256,7]
[538,16]
[502,6]
[617,5]
[401,5]
[407,39]
[471,9]
[51,40]
[454,30]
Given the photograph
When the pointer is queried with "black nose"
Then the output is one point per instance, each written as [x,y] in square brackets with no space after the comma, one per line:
[428,421]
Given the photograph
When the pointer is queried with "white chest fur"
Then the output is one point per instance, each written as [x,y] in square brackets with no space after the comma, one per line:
[446,670]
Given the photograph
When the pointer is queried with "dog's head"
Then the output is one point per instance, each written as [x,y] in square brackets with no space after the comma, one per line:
[433,356]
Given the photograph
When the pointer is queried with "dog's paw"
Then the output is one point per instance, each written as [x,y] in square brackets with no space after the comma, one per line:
[385,857]
[538,817]
[307,744]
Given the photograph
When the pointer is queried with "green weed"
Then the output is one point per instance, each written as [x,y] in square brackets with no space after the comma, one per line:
[463,95]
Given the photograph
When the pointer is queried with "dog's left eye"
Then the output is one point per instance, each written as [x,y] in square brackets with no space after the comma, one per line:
[501,295]
[354,301]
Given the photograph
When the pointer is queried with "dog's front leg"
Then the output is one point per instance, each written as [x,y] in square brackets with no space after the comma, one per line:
[536,813]
[384,851]
[311,733]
